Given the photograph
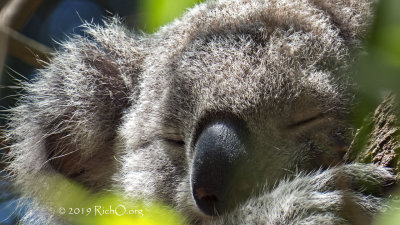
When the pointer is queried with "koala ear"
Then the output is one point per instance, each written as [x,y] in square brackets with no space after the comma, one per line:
[352,17]
[68,119]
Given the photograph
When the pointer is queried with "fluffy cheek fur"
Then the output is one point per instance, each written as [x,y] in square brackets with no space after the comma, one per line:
[150,165]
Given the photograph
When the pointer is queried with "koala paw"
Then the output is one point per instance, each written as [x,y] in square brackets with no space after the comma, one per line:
[349,194]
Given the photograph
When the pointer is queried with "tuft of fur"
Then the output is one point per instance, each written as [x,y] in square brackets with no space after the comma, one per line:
[312,199]
[121,111]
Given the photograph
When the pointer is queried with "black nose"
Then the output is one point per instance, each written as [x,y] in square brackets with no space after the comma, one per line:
[219,151]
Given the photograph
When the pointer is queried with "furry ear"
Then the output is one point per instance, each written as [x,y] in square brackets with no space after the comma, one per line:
[352,17]
[70,113]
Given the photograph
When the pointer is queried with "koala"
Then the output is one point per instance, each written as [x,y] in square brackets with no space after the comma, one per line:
[237,113]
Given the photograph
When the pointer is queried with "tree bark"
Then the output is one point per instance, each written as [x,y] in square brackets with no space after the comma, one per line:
[377,141]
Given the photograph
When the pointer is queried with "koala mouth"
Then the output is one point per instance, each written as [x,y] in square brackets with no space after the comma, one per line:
[219,151]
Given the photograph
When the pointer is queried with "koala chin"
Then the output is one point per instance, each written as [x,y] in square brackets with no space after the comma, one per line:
[237,113]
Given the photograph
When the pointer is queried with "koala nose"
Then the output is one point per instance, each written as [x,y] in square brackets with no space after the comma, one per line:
[219,151]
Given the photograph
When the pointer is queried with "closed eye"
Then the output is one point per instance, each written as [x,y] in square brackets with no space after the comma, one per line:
[171,135]
[307,121]
[175,142]
[173,138]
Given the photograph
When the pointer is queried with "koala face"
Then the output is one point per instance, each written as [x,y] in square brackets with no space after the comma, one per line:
[236,138]
[214,114]
[239,107]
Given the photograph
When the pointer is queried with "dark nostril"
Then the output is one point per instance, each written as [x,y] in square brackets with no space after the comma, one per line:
[204,194]
[219,151]
[206,201]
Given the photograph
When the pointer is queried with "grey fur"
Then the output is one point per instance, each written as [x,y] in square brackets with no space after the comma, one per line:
[112,109]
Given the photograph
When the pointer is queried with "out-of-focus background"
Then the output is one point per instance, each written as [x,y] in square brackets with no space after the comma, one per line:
[31,29]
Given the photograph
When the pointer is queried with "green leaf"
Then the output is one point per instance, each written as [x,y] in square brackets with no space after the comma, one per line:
[157,13]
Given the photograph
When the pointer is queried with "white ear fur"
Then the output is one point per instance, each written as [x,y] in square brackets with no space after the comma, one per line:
[352,16]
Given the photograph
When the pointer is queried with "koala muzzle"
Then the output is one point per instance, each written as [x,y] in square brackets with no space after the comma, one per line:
[220,152]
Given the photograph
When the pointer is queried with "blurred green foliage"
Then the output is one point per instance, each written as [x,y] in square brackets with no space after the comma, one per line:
[157,13]
[392,216]
[379,71]
[81,207]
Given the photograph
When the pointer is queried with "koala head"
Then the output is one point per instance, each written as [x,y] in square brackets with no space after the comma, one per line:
[212,109]
[237,95]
